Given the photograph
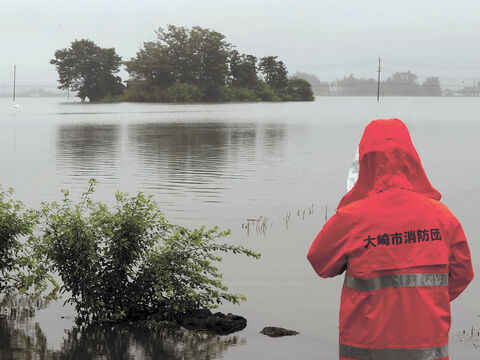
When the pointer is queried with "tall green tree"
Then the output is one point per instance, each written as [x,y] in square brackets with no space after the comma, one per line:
[195,56]
[199,56]
[153,64]
[89,70]
[243,70]
[274,71]
[181,51]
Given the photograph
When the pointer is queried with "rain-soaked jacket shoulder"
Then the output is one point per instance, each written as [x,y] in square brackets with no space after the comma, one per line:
[405,254]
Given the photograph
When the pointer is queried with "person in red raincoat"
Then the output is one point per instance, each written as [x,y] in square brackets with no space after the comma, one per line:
[405,254]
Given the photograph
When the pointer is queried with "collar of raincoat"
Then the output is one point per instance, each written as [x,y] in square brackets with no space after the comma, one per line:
[388,160]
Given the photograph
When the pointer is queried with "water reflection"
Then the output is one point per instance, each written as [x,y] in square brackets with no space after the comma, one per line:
[195,159]
[182,150]
[88,149]
[274,136]
[136,343]
[20,342]
[21,308]
[200,158]
[25,340]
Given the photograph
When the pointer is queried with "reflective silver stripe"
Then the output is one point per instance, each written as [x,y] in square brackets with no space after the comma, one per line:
[397,280]
[394,354]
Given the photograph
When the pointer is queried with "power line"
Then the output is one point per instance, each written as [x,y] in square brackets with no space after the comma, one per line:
[366,62]
[27,86]
[430,65]
[373,83]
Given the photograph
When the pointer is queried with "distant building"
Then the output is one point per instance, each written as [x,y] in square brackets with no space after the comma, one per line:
[471,91]
[449,92]
[134,81]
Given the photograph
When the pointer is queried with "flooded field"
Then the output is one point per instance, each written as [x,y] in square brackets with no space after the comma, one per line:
[229,165]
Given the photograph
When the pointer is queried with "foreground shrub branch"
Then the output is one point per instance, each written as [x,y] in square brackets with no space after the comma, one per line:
[124,264]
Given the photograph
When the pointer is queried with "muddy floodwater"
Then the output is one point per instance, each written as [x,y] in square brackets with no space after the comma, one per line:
[223,164]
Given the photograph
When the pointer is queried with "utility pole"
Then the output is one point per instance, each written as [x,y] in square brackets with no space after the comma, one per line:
[378,81]
[14,80]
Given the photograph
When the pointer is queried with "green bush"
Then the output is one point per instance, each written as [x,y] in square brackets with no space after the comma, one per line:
[129,263]
[299,90]
[15,223]
[176,93]
[296,90]
[181,92]
[132,94]
[265,92]
[233,93]
[138,93]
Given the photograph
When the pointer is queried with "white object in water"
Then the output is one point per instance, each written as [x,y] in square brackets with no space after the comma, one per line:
[353,172]
[16,106]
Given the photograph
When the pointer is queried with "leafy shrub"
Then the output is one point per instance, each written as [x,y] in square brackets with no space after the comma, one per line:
[233,93]
[176,93]
[181,92]
[129,263]
[296,90]
[299,90]
[265,92]
[137,93]
[15,223]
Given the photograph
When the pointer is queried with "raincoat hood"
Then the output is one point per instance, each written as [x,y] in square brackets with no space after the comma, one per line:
[388,160]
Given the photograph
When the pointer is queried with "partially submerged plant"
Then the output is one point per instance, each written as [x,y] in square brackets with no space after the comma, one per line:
[260,225]
[129,263]
[19,271]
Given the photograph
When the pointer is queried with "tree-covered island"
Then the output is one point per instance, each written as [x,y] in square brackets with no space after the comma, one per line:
[182,65]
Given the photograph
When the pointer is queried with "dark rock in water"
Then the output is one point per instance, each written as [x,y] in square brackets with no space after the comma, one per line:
[273,331]
[200,313]
[218,323]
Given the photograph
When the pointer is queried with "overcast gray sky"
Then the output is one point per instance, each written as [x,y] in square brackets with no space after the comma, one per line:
[329,38]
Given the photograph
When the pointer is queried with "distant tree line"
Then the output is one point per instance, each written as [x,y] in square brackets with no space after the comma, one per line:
[182,65]
[318,87]
[399,84]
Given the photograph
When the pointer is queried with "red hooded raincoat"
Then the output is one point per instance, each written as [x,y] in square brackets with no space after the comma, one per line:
[405,254]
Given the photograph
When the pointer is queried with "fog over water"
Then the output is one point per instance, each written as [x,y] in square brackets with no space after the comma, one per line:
[220,165]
